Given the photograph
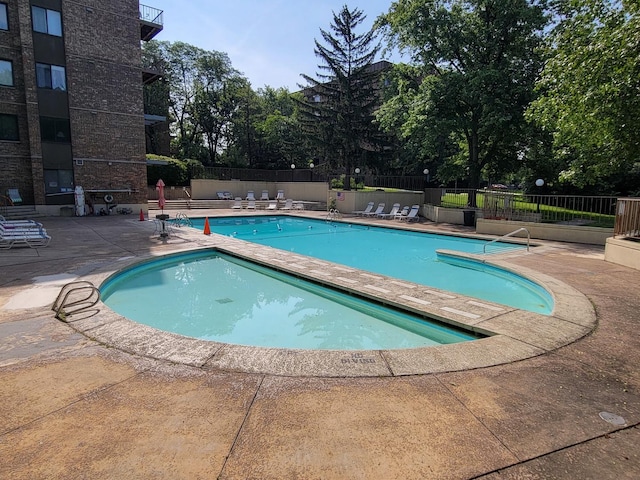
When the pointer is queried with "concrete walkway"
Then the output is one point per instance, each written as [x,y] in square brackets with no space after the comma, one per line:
[73,407]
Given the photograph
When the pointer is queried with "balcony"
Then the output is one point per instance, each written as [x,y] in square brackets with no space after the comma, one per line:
[150,22]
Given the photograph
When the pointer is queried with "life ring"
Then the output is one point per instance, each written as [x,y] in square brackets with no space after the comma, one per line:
[108,198]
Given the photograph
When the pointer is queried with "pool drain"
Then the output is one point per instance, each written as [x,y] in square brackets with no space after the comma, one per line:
[224,300]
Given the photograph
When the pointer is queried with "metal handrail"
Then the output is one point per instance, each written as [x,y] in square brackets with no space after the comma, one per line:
[484,249]
[87,302]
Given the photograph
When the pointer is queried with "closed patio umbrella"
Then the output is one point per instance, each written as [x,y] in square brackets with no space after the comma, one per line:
[161,200]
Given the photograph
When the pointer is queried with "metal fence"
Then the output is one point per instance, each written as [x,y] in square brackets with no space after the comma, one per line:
[497,204]
[627,218]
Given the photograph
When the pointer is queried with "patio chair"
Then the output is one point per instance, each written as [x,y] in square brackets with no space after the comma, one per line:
[250,195]
[288,204]
[220,195]
[251,205]
[272,205]
[403,213]
[412,216]
[367,209]
[377,211]
[394,209]
[25,236]
[227,195]
[14,195]
[237,204]
[4,221]
[280,195]
[265,195]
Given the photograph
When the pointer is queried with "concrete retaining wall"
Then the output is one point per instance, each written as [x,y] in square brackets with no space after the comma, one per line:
[623,251]
[547,231]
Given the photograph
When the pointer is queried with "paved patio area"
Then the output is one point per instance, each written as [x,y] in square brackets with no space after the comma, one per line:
[73,406]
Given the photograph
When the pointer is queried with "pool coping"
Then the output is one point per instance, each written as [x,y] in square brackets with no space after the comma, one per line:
[513,334]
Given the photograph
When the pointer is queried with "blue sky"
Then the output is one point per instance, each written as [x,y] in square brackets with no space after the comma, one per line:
[270,41]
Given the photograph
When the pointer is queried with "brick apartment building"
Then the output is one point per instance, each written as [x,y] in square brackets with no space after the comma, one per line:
[71,102]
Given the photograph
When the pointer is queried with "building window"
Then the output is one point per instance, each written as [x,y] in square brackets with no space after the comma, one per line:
[50,76]
[6,73]
[4,20]
[55,130]
[58,181]
[46,21]
[9,127]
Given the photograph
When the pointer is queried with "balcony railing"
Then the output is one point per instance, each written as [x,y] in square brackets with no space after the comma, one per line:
[151,15]
[627,218]
[150,22]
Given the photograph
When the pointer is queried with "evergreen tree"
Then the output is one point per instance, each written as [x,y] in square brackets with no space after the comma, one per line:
[340,102]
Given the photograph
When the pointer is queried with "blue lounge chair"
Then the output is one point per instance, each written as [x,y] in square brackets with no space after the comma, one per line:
[377,211]
[392,213]
[368,209]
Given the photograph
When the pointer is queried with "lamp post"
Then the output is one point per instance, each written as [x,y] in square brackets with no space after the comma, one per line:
[426,177]
[357,170]
[311,165]
[539,183]
[293,167]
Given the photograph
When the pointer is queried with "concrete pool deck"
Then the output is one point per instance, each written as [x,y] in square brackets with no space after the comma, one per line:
[75,407]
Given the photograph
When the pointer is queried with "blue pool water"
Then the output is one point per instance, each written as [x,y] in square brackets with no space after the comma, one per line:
[216,297]
[397,253]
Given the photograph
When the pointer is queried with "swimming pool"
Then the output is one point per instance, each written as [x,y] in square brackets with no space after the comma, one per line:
[396,253]
[216,297]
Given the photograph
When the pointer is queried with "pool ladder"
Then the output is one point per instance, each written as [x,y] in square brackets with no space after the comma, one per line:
[182,220]
[484,250]
[333,214]
[75,297]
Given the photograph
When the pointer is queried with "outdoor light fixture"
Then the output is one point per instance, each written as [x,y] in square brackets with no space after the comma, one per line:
[293,167]
[311,165]
[426,177]
[357,170]
[539,183]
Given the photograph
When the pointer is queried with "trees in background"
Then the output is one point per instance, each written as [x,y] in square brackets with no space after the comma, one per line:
[477,62]
[589,95]
[339,103]
[490,94]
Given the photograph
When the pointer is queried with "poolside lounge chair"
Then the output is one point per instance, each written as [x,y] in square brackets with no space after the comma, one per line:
[237,204]
[378,211]
[250,195]
[412,216]
[251,205]
[368,209]
[272,205]
[280,195]
[14,195]
[403,213]
[220,195]
[227,195]
[288,204]
[31,236]
[265,195]
[4,221]
[392,213]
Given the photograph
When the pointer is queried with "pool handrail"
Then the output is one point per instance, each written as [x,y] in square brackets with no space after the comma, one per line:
[484,248]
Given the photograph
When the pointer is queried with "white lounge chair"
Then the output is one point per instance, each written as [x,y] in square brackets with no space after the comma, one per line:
[4,221]
[412,216]
[272,205]
[377,211]
[402,213]
[250,195]
[251,205]
[237,204]
[26,236]
[265,195]
[392,213]
[227,195]
[280,195]
[367,209]
[220,195]
[288,204]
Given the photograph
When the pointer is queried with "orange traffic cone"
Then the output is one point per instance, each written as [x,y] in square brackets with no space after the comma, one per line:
[207,230]
[141,216]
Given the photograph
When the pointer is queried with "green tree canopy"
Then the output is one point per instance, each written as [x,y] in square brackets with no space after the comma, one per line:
[478,64]
[590,92]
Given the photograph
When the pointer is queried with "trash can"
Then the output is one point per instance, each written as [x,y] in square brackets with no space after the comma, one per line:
[469,218]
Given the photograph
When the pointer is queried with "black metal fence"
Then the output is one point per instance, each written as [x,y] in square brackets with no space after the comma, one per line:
[400,182]
[508,205]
